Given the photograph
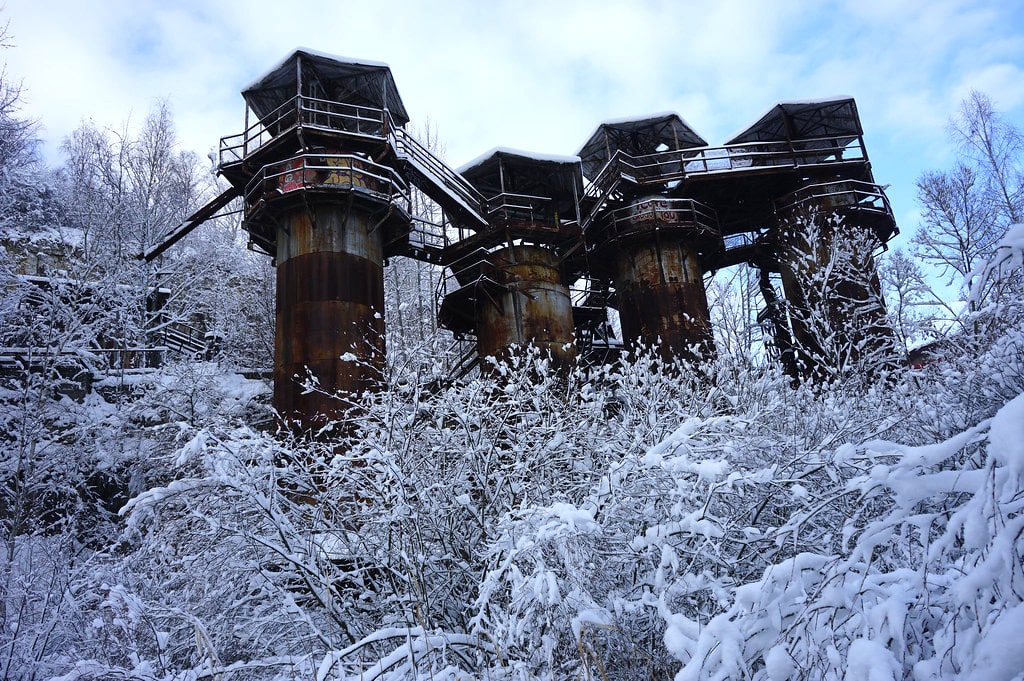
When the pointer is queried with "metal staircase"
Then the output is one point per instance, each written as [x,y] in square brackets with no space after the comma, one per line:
[190,223]
[184,340]
[601,190]
[434,178]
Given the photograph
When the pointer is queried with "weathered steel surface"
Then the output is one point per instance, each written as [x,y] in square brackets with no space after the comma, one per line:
[661,298]
[532,305]
[329,227]
[775,315]
[330,310]
[835,298]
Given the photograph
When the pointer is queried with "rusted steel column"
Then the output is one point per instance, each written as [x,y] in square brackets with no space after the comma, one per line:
[832,288]
[527,303]
[806,350]
[781,332]
[661,297]
[330,309]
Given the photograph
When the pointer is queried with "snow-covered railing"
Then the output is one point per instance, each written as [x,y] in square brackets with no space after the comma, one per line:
[508,208]
[427,240]
[594,332]
[473,268]
[863,202]
[601,190]
[667,166]
[351,119]
[465,279]
[609,176]
[590,293]
[740,240]
[184,338]
[467,360]
[440,182]
[672,166]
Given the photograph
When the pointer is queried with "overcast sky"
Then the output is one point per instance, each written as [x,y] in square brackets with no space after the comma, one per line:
[536,75]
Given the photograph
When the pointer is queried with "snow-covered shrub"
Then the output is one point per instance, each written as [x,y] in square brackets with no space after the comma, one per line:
[677,519]
[633,521]
[929,588]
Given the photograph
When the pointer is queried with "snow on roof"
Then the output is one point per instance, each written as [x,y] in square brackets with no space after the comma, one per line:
[349,60]
[787,103]
[354,81]
[637,119]
[507,151]
[318,55]
[612,122]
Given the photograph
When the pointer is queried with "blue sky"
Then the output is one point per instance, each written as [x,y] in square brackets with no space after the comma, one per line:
[537,75]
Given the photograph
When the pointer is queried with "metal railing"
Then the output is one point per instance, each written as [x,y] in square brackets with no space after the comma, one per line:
[670,166]
[466,361]
[740,240]
[659,214]
[843,194]
[310,112]
[594,332]
[432,168]
[536,211]
[363,122]
[602,188]
[473,268]
[590,293]
[184,338]
[428,239]
[340,172]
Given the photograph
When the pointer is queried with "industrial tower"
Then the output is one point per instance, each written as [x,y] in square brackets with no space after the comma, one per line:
[537,248]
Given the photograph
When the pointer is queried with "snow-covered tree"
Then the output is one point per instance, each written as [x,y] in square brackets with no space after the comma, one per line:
[908,298]
[996,148]
[835,306]
[733,297]
[17,134]
[967,210]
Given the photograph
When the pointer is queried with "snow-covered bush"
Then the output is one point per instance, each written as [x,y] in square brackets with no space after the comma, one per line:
[929,587]
[628,522]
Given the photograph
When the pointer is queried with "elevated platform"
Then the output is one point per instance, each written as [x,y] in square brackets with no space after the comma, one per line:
[303,122]
[324,178]
[857,202]
[312,124]
[658,203]
[741,181]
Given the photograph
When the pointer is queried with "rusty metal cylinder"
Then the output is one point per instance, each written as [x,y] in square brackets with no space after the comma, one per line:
[661,298]
[831,284]
[330,309]
[527,304]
